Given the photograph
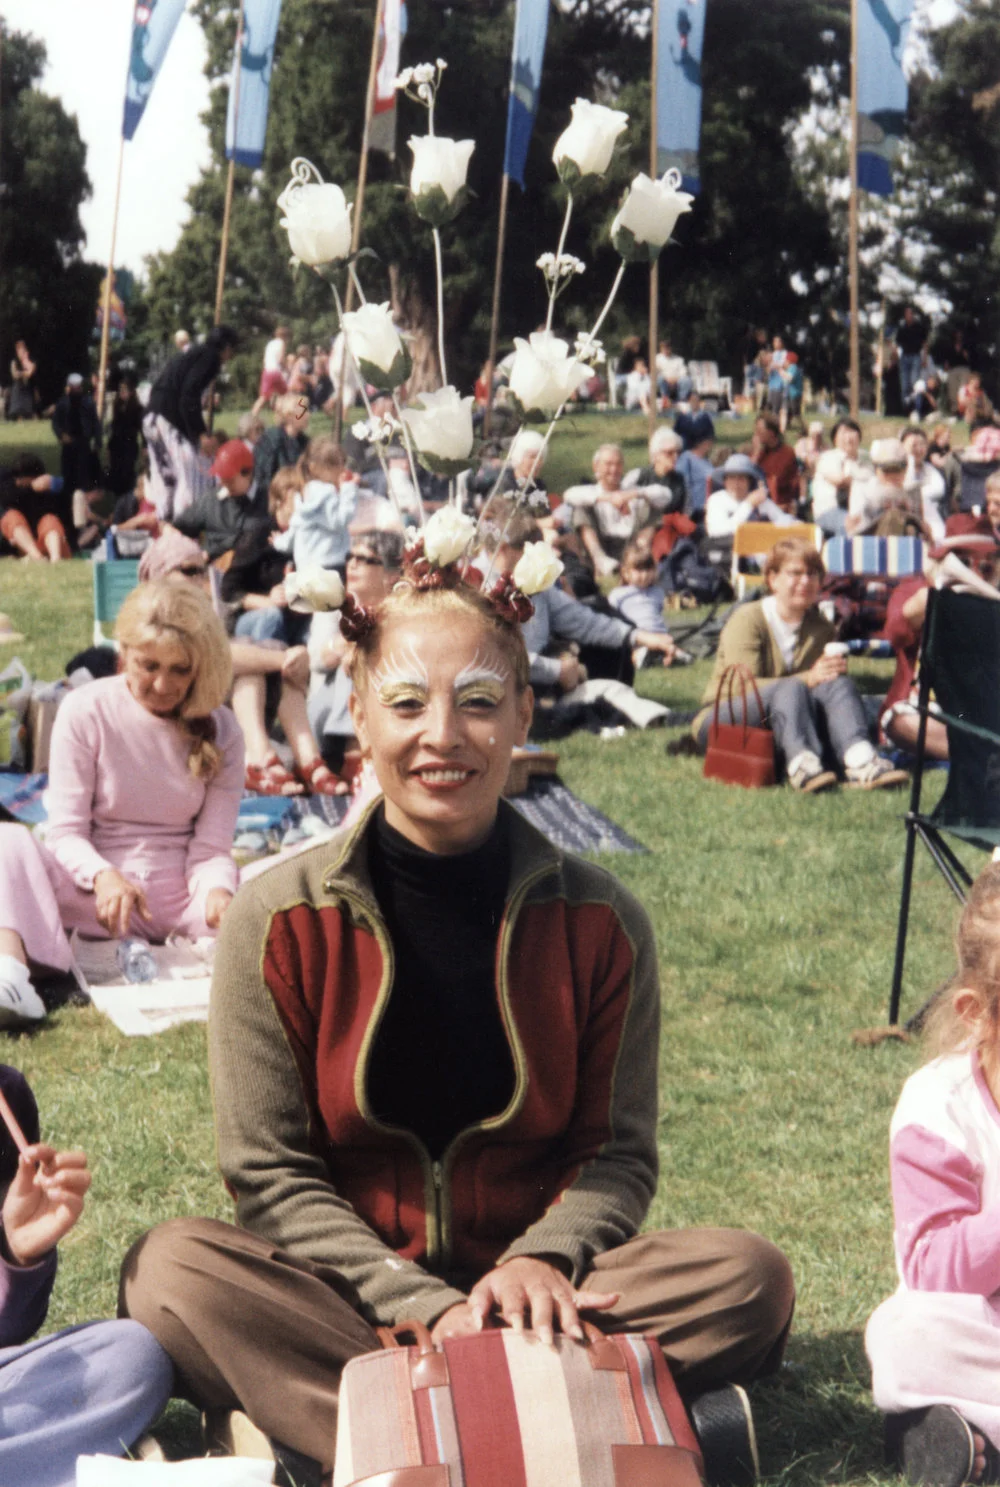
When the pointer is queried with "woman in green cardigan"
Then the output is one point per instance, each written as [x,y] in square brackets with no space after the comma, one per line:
[819,723]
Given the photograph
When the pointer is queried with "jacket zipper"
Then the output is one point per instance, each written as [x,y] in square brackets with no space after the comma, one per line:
[437,1207]
[440,1169]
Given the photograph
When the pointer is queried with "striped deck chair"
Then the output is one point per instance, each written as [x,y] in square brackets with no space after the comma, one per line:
[883,557]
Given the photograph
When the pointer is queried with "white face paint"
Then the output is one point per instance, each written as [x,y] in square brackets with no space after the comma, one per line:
[402,675]
[482,668]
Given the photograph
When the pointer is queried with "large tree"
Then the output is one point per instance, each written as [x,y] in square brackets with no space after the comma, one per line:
[752,242]
[48,294]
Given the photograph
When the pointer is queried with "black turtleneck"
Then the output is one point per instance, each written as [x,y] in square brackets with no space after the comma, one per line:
[441,1061]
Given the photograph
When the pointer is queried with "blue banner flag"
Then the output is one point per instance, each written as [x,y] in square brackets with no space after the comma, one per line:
[245,134]
[882,28]
[530,28]
[678,88]
[153,27]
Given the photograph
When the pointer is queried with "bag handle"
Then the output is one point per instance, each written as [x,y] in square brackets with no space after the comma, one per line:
[737,672]
[393,1337]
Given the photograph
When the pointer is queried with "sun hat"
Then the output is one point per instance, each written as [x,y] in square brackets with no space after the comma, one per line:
[234,458]
[740,464]
[888,454]
[168,553]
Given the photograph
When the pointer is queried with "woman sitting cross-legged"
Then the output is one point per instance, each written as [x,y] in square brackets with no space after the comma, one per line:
[144,789]
[434,1047]
[810,702]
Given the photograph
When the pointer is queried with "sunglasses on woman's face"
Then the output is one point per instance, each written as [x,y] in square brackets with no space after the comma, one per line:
[365,557]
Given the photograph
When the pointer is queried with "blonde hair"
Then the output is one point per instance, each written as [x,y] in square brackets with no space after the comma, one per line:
[286,481]
[287,405]
[166,612]
[977,947]
[406,600]
[323,456]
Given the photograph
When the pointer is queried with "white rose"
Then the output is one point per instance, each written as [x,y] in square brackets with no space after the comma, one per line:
[447,535]
[543,374]
[314,590]
[318,221]
[587,143]
[437,180]
[537,568]
[377,346]
[647,218]
[440,425]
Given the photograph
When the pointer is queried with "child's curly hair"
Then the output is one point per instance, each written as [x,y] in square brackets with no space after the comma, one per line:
[977,945]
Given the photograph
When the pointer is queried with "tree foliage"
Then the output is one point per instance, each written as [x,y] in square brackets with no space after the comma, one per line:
[744,253]
[48,294]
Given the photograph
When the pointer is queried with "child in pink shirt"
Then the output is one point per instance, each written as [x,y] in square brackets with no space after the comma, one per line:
[934,1346]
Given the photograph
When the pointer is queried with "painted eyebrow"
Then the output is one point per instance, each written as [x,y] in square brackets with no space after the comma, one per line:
[406,669]
[481,669]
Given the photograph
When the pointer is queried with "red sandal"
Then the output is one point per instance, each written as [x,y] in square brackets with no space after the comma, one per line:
[331,785]
[271,778]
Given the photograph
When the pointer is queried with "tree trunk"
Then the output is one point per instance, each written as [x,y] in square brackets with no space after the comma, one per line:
[418,320]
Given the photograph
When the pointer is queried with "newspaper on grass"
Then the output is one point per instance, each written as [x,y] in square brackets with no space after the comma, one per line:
[228,1471]
[179,993]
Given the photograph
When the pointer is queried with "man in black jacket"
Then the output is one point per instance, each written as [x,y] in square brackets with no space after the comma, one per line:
[174,426]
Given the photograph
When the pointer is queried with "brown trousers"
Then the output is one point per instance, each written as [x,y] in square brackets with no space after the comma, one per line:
[249,1327]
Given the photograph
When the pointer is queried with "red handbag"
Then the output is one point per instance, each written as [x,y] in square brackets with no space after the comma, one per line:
[738,753]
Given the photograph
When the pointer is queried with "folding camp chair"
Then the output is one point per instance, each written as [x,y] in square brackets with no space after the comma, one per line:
[113,582]
[960,663]
[752,539]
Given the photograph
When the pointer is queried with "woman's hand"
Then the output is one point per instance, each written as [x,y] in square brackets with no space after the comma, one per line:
[44,1201]
[278,597]
[825,670]
[458,1321]
[116,898]
[527,1285]
[217,901]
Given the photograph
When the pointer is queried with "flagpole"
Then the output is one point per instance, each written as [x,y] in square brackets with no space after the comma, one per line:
[495,316]
[852,224]
[654,267]
[227,210]
[359,204]
[102,372]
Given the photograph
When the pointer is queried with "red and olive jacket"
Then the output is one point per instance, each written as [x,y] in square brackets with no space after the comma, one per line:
[304,970]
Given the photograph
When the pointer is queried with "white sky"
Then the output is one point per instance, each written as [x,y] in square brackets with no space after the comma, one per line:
[88,47]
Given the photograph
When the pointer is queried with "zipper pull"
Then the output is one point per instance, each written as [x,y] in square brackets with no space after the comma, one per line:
[438,1174]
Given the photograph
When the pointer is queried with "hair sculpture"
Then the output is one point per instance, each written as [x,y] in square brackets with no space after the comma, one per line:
[440,559]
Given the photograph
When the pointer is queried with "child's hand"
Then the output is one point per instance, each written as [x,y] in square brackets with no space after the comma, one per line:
[44,1201]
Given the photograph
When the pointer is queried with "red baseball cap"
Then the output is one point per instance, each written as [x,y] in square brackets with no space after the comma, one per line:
[234,458]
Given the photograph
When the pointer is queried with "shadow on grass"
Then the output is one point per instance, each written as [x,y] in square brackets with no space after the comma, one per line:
[815,1419]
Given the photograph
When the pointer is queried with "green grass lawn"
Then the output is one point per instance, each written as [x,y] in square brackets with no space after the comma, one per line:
[775,917]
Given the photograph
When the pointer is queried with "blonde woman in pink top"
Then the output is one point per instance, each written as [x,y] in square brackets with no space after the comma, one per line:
[144,790]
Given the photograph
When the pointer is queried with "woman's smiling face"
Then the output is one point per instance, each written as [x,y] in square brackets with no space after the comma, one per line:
[439,713]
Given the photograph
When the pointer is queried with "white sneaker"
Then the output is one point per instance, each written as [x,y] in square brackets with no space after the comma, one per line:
[20,1003]
[877,774]
[809,776]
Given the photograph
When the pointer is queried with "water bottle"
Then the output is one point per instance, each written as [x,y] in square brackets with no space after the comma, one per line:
[135,961]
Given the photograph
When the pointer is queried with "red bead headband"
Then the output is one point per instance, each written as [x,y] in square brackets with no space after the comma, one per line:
[358,622]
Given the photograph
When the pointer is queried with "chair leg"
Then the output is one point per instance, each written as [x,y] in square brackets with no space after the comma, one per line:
[904,917]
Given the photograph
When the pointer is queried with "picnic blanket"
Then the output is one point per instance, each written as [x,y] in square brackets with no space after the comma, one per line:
[568,822]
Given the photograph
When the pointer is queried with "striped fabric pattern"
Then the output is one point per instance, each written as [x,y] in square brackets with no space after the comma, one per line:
[515,1412]
[888,557]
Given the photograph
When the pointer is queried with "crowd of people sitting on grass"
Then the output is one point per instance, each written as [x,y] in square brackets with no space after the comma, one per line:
[277,574]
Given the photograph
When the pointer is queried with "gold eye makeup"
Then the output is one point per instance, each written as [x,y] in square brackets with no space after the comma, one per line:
[484,691]
[402,677]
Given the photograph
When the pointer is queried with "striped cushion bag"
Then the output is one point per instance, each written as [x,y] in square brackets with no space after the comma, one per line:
[502,1409]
